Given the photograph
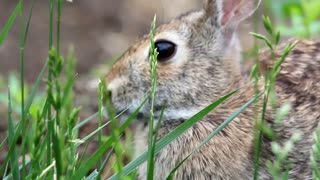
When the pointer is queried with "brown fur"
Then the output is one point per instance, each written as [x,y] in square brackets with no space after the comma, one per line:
[205,67]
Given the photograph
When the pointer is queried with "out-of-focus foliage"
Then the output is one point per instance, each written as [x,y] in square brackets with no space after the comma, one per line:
[296,17]
[15,89]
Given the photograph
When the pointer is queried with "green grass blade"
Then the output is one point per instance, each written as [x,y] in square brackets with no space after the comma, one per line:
[7,27]
[35,87]
[85,121]
[93,176]
[153,67]
[121,128]
[159,124]
[57,150]
[287,50]
[13,155]
[47,170]
[28,105]
[84,139]
[3,142]
[26,32]
[84,152]
[215,132]
[23,38]
[88,164]
[173,135]
[132,116]
[104,163]
[51,11]
[11,147]
[101,88]
[59,8]
[50,124]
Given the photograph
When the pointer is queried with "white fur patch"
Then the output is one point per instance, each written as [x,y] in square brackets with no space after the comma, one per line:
[193,17]
[179,113]
[117,82]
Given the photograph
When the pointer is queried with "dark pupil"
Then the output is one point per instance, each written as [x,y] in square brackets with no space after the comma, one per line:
[165,49]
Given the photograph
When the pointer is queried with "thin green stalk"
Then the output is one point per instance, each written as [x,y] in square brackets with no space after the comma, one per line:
[85,121]
[260,136]
[159,124]
[84,152]
[13,155]
[26,32]
[153,67]
[23,38]
[54,94]
[115,136]
[22,119]
[268,87]
[51,11]
[270,78]
[89,163]
[104,163]
[5,30]
[59,7]
[50,124]
[256,89]
[100,113]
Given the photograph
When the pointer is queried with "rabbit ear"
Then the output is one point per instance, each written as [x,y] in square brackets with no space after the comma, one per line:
[229,13]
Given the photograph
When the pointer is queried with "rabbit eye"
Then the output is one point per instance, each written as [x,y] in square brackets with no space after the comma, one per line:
[166,50]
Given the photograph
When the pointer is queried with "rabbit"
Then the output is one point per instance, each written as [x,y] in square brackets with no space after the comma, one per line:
[199,61]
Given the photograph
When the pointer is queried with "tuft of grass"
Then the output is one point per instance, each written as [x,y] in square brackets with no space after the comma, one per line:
[97,155]
[276,167]
[269,81]
[23,38]
[153,66]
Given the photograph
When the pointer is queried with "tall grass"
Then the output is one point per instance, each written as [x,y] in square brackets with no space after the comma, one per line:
[269,81]
[153,67]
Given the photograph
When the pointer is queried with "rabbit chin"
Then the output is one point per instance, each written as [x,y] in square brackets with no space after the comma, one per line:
[168,115]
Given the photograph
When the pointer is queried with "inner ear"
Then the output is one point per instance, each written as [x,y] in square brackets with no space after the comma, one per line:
[229,10]
[235,11]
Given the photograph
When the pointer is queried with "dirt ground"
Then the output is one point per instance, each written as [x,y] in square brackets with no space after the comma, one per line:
[97,29]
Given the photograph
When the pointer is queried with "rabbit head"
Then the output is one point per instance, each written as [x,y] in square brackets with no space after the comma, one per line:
[198,61]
